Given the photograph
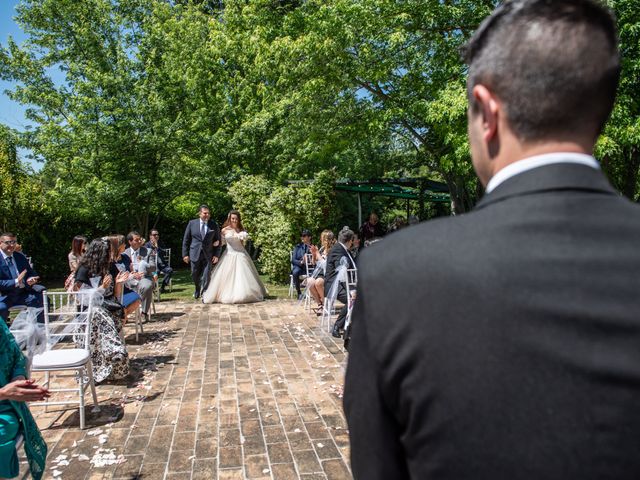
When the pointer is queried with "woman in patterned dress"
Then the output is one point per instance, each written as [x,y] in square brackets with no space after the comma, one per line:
[109,355]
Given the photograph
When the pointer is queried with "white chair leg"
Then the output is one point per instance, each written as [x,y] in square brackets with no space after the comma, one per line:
[92,385]
[47,383]
[81,392]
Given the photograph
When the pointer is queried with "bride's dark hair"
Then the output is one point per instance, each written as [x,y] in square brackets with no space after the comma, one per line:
[227,222]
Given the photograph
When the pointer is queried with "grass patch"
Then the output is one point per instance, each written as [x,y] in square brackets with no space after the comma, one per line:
[183,287]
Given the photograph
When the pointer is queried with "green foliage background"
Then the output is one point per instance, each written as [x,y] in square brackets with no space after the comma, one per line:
[168,104]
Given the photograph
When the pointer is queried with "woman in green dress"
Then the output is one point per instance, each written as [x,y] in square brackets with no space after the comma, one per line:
[15,417]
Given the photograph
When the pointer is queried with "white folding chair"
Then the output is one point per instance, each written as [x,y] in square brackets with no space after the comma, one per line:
[352,281]
[137,317]
[292,285]
[73,314]
[165,256]
[328,307]
[308,267]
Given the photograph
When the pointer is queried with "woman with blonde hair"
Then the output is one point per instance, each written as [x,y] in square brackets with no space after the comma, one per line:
[315,283]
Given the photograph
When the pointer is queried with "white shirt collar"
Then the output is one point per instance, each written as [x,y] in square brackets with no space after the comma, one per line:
[536,161]
[4,255]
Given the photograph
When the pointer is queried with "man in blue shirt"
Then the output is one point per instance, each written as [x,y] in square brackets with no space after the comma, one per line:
[18,281]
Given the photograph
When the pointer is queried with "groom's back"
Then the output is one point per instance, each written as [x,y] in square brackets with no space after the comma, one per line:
[508,340]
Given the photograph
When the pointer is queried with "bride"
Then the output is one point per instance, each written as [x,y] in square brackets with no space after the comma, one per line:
[235,279]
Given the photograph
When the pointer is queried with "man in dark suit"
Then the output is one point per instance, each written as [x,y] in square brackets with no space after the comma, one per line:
[158,250]
[18,281]
[339,255]
[297,258]
[201,248]
[505,343]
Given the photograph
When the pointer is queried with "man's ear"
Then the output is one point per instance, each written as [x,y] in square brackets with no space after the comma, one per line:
[489,109]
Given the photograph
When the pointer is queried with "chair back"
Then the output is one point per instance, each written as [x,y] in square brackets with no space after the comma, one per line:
[352,281]
[308,263]
[165,255]
[67,314]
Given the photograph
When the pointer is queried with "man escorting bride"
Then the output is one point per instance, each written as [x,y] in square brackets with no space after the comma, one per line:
[235,279]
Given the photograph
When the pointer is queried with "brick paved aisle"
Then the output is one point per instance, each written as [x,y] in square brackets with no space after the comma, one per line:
[217,391]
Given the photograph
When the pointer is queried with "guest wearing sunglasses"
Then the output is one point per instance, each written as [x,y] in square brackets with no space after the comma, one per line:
[18,281]
[158,249]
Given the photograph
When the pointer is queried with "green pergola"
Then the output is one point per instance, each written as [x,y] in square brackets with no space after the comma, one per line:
[420,189]
[417,188]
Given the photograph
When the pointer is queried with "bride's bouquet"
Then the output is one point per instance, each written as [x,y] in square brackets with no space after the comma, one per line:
[243,235]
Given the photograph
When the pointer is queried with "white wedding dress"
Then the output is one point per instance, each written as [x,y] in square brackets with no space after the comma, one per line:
[235,278]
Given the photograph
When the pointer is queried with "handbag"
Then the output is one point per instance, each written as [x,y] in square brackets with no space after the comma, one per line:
[113,306]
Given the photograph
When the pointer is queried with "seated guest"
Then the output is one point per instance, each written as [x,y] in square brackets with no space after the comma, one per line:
[18,281]
[297,259]
[129,299]
[339,255]
[109,357]
[355,246]
[315,284]
[141,263]
[78,247]
[158,250]
[15,417]
[371,229]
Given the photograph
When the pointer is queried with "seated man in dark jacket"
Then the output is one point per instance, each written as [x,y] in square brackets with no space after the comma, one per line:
[158,251]
[18,281]
[297,258]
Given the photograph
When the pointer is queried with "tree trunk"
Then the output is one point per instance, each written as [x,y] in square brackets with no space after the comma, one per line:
[630,186]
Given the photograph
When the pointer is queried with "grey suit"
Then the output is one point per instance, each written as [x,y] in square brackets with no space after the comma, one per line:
[504,343]
[144,286]
[200,251]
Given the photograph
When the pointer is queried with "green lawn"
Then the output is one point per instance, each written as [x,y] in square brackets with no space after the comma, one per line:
[183,287]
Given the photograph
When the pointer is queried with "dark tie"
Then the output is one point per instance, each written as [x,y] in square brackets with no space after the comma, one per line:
[12,267]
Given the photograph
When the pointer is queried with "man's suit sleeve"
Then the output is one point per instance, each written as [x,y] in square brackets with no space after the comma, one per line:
[9,284]
[216,236]
[186,240]
[25,265]
[376,451]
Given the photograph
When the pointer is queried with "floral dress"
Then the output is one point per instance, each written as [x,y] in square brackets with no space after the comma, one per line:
[109,357]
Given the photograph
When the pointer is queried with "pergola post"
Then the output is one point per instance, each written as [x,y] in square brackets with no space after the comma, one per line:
[359,211]
[421,200]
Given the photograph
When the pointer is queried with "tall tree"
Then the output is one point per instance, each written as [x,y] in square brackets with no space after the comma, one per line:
[117,131]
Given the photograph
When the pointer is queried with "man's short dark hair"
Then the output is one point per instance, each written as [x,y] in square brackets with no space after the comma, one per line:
[8,234]
[553,63]
[132,234]
[202,207]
